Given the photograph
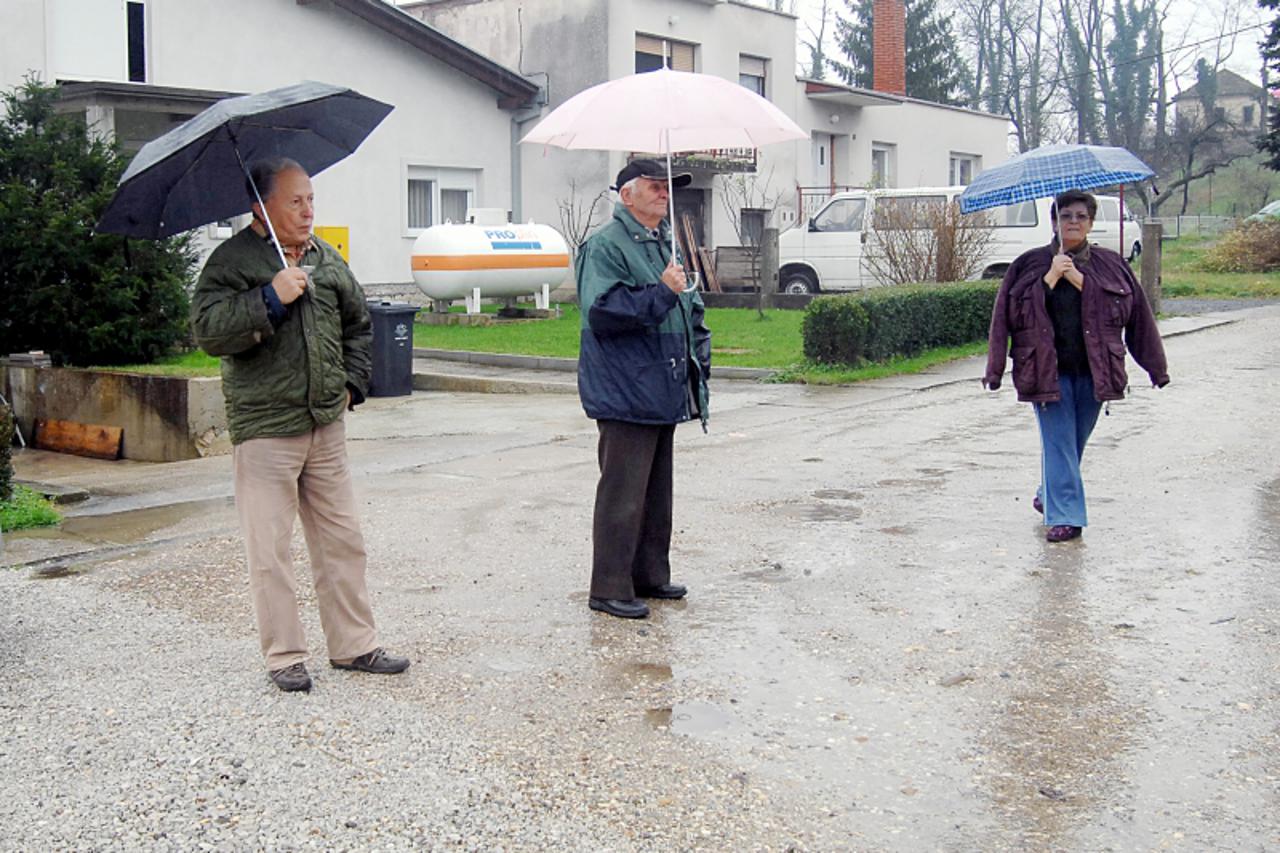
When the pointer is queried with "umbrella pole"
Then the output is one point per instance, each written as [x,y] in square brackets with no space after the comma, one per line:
[1123,253]
[671,196]
[265,218]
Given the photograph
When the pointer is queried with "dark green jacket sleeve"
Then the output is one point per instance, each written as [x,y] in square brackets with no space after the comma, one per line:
[228,314]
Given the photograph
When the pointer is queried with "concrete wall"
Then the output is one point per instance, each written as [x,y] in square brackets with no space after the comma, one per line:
[164,418]
[443,118]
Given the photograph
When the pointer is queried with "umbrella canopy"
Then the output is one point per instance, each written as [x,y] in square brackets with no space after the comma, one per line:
[1051,170]
[664,112]
[195,173]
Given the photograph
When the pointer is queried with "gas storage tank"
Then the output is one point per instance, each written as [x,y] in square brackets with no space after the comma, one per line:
[452,261]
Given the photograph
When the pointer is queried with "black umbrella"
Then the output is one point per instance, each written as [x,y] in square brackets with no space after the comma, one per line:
[196,173]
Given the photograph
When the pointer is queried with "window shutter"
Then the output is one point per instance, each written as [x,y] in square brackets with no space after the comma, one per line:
[648,44]
[681,56]
[752,65]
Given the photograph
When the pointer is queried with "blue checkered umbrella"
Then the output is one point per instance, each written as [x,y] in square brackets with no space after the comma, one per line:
[1050,170]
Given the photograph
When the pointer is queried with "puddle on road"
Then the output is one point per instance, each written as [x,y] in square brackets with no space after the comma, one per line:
[126,528]
[646,671]
[837,495]
[689,718]
[59,570]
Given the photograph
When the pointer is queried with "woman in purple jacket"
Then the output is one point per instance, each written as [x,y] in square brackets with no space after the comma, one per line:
[1070,309]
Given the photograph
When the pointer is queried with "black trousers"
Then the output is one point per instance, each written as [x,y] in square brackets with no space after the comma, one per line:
[631,531]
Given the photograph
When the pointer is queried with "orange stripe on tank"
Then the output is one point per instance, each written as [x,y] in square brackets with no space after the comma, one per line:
[452,263]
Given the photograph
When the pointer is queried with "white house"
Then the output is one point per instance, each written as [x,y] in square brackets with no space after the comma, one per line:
[138,68]
[858,137]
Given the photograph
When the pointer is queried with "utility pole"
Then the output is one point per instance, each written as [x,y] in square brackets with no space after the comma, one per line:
[1151,249]
[768,276]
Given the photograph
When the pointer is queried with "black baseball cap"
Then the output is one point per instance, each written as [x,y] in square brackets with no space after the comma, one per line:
[649,169]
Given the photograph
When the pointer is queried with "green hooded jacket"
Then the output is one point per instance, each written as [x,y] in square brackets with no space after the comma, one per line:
[289,376]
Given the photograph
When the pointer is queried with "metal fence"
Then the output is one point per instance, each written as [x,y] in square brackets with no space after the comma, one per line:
[1194,226]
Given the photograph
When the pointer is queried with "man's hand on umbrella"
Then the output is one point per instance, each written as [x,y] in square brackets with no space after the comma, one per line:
[673,277]
[289,284]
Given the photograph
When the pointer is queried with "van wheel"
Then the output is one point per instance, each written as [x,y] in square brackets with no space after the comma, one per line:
[996,271]
[798,282]
[1136,251]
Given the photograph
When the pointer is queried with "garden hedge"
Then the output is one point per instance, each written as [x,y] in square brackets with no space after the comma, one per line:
[6,452]
[902,320]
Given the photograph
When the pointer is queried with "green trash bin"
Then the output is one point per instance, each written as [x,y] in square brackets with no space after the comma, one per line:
[392,348]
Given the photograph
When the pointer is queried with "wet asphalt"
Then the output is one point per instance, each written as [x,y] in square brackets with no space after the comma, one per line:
[880,651]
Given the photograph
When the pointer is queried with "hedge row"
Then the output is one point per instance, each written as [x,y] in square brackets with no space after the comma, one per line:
[874,325]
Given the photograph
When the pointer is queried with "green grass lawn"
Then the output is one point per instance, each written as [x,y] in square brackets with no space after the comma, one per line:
[739,337]
[195,363]
[25,509]
[1181,275]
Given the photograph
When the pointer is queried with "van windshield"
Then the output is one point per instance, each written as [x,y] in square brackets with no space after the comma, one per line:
[843,214]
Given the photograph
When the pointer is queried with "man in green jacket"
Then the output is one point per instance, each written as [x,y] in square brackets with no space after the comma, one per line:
[644,357]
[295,347]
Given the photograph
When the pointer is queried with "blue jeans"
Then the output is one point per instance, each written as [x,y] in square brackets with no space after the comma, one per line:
[1065,427]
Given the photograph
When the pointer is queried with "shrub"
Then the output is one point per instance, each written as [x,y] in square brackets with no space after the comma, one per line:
[84,298]
[874,325]
[27,508]
[6,452]
[917,241]
[1250,247]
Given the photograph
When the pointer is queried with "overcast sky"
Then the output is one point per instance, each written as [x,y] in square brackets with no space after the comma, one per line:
[1189,21]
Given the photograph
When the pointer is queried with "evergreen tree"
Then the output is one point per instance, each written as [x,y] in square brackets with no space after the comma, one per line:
[84,298]
[1270,142]
[935,70]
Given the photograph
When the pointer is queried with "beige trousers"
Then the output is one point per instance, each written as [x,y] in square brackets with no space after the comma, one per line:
[277,480]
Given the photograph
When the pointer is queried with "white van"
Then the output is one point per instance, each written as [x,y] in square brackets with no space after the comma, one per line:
[828,252]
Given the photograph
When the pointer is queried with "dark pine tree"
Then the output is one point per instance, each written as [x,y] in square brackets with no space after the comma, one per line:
[935,70]
[1270,141]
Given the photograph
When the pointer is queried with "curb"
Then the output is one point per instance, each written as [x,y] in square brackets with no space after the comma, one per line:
[564,365]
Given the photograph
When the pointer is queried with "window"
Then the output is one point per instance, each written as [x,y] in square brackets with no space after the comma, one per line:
[1108,210]
[420,193]
[137,35]
[650,50]
[907,211]
[1219,113]
[963,168]
[752,225]
[751,73]
[844,214]
[434,196]
[1020,215]
[882,163]
[1247,116]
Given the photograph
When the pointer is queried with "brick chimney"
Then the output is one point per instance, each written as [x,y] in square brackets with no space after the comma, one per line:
[889,46]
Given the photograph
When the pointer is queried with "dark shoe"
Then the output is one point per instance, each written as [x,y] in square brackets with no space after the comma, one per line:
[292,678]
[667,590]
[1062,533]
[1037,504]
[377,661]
[622,608]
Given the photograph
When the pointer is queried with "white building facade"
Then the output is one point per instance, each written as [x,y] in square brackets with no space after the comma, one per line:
[136,69]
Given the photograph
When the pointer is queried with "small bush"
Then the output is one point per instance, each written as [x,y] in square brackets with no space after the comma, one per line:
[1251,247]
[916,241]
[6,452]
[878,324]
[27,508]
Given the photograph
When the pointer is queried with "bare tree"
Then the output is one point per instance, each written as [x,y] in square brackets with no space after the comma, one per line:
[749,202]
[578,215]
[816,43]
[917,242]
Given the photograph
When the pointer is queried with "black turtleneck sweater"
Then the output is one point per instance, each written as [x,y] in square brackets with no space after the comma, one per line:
[1063,302]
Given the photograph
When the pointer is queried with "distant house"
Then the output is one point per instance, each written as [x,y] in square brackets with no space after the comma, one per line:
[136,69]
[1240,104]
[857,137]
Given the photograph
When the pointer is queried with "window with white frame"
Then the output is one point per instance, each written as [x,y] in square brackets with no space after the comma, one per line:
[964,168]
[435,195]
[883,163]
[650,51]
[752,73]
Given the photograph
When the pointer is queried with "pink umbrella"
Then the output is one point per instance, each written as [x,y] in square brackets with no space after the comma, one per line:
[664,112]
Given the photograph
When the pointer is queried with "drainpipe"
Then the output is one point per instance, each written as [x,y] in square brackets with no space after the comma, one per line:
[518,119]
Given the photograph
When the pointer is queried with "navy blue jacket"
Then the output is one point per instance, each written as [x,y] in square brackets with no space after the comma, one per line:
[645,352]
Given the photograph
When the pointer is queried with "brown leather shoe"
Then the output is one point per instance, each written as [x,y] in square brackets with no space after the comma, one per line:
[1062,533]
[377,662]
[291,679]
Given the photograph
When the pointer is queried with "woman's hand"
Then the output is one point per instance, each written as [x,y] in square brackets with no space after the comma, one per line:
[1073,275]
[1058,268]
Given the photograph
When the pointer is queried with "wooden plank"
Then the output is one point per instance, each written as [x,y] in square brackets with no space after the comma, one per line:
[93,440]
[688,250]
[709,271]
